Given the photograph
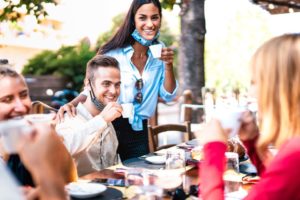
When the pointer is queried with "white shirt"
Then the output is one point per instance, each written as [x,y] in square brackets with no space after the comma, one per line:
[9,189]
[90,140]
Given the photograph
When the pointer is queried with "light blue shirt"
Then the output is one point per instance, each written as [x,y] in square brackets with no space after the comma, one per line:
[153,78]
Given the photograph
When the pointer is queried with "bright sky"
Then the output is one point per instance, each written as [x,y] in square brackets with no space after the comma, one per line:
[218,13]
[93,17]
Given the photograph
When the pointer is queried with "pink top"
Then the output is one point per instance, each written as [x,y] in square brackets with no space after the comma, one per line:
[279,180]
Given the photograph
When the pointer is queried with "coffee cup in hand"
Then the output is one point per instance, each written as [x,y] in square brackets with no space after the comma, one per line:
[230,118]
[11,133]
[127,110]
[156,50]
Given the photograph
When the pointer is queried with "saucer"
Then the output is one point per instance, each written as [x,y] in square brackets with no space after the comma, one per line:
[158,160]
[85,190]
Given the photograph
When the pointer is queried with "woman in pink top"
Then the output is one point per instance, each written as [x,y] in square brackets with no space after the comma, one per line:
[275,70]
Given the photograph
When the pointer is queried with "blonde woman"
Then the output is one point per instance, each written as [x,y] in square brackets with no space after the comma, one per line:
[275,70]
[47,160]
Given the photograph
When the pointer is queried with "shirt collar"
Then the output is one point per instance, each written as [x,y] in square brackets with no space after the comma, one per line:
[127,49]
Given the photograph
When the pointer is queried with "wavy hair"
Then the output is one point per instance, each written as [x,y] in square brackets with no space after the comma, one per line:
[276,71]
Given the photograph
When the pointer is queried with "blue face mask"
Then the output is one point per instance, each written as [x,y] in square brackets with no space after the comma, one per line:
[136,35]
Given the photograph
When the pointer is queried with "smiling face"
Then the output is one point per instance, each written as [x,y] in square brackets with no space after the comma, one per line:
[106,84]
[14,98]
[147,21]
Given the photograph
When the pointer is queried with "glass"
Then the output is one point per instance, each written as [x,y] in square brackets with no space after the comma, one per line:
[175,159]
[139,95]
[133,179]
[231,177]
[173,176]
[232,161]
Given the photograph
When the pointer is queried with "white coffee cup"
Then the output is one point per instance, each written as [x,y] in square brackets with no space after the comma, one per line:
[156,50]
[11,132]
[127,110]
[230,118]
[40,118]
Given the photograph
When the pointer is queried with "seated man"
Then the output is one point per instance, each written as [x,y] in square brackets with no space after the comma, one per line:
[90,136]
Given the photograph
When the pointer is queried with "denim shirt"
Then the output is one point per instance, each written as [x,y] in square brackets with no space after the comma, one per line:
[153,79]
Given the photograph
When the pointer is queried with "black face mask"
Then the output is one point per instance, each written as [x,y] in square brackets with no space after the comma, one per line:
[100,106]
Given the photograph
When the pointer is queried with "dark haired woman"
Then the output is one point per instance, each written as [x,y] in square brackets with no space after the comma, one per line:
[143,77]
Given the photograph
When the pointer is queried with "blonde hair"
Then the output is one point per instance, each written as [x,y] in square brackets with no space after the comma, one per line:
[276,71]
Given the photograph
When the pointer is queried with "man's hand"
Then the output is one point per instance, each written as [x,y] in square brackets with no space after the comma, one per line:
[69,108]
[111,111]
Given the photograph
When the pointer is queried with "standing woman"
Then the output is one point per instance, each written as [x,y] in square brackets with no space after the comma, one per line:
[143,77]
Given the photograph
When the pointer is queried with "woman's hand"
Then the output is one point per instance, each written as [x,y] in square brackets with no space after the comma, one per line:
[248,129]
[167,55]
[213,132]
[69,108]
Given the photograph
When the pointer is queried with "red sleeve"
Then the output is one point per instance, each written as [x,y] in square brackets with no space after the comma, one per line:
[281,179]
[251,151]
[211,171]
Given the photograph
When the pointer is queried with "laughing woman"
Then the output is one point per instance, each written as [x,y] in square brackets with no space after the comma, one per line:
[15,102]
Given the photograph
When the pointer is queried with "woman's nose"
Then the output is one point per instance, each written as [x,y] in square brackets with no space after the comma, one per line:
[149,23]
[19,106]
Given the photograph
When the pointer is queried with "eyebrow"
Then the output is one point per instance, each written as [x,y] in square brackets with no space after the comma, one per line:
[144,15]
[108,81]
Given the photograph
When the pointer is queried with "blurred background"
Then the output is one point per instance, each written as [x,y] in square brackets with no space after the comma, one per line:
[59,44]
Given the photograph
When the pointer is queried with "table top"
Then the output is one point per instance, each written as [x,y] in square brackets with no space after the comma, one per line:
[233,181]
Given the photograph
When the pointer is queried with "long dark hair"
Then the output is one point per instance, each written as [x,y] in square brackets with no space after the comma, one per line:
[123,36]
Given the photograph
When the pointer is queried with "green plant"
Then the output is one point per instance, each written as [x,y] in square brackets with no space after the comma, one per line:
[68,61]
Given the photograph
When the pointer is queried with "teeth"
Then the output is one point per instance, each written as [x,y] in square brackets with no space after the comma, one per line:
[148,31]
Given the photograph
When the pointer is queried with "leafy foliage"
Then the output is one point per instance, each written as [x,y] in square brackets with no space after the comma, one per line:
[12,10]
[168,4]
[69,62]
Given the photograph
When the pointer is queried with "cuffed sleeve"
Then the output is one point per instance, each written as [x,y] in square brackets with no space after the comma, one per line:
[167,96]
[78,138]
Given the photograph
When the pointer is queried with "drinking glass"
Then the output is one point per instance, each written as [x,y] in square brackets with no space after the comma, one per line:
[173,175]
[232,180]
[232,162]
[133,179]
[175,159]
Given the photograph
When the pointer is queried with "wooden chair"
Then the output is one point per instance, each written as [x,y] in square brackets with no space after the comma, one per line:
[153,133]
[40,107]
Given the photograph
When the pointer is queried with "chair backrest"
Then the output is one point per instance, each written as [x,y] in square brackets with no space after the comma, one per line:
[153,133]
[40,107]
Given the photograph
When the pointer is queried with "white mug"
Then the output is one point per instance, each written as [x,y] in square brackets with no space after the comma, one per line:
[230,118]
[127,110]
[40,118]
[156,50]
[11,132]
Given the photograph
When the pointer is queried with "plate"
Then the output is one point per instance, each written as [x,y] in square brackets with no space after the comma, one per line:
[156,159]
[85,190]
[194,142]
